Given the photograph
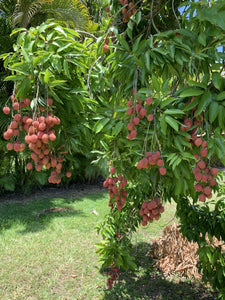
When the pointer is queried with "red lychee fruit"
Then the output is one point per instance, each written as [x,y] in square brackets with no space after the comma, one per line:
[129,103]
[106,48]
[214,171]
[149,101]
[202,198]
[162,171]
[203,152]
[6,110]
[150,117]
[112,170]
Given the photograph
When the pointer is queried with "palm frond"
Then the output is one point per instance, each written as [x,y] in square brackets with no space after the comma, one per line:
[36,11]
[24,12]
[71,11]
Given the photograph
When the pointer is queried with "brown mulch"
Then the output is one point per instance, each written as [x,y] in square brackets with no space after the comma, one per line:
[175,254]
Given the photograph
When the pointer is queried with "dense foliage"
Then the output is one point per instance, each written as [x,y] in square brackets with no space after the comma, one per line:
[148,96]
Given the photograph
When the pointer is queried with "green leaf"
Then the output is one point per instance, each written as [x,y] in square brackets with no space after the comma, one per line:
[179,186]
[138,17]
[187,156]
[163,125]
[155,84]
[72,31]
[104,145]
[220,96]
[193,104]
[198,84]
[17,30]
[160,50]
[202,38]
[46,76]
[23,86]
[190,92]
[8,183]
[178,144]
[176,163]
[123,42]
[26,55]
[183,141]
[57,83]
[41,177]
[41,58]
[60,30]
[166,102]
[138,62]
[185,170]
[64,47]
[66,69]
[15,78]
[147,61]
[221,116]
[171,158]
[136,44]
[100,124]
[174,112]
[205,100]
[20,68]
[217,80]
[172,122]
[55,96]
[213,111]
[116,130]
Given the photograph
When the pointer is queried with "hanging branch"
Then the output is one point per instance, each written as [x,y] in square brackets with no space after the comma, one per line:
[87,34]
[146,140]
[175,14]
[36,99]
[89,75]
[152,18]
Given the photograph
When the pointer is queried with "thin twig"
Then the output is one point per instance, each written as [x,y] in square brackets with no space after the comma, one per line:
[155,133]
[89,75]
[152,19]
[146,140]
[87,33]
[175,14]
[36,98]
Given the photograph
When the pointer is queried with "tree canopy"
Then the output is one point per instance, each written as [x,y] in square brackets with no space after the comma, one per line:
[142,97]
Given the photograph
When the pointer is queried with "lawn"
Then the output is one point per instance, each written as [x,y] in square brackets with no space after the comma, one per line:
[53,256]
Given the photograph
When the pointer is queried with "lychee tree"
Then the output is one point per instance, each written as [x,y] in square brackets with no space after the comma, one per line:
[48,111]
[151,102]
[166,137]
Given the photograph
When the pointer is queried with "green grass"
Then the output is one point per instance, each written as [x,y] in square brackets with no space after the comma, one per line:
[53,257]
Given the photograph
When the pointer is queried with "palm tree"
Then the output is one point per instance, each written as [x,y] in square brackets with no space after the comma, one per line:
[34,12]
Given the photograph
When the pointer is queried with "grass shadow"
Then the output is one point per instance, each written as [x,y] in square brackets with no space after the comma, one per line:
[148,283]
[25,213]
[12,214]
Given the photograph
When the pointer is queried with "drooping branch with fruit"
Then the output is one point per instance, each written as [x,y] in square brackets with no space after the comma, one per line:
[173,83]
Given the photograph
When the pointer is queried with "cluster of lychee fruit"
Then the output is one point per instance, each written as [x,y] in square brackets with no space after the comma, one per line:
[151,210]
[39,135]
[205,176]
[140,112]
[113,273]
[128,10]
[152,159]
[115,185]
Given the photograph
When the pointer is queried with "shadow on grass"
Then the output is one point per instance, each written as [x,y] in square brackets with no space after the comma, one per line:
[26,213]
[148,283]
